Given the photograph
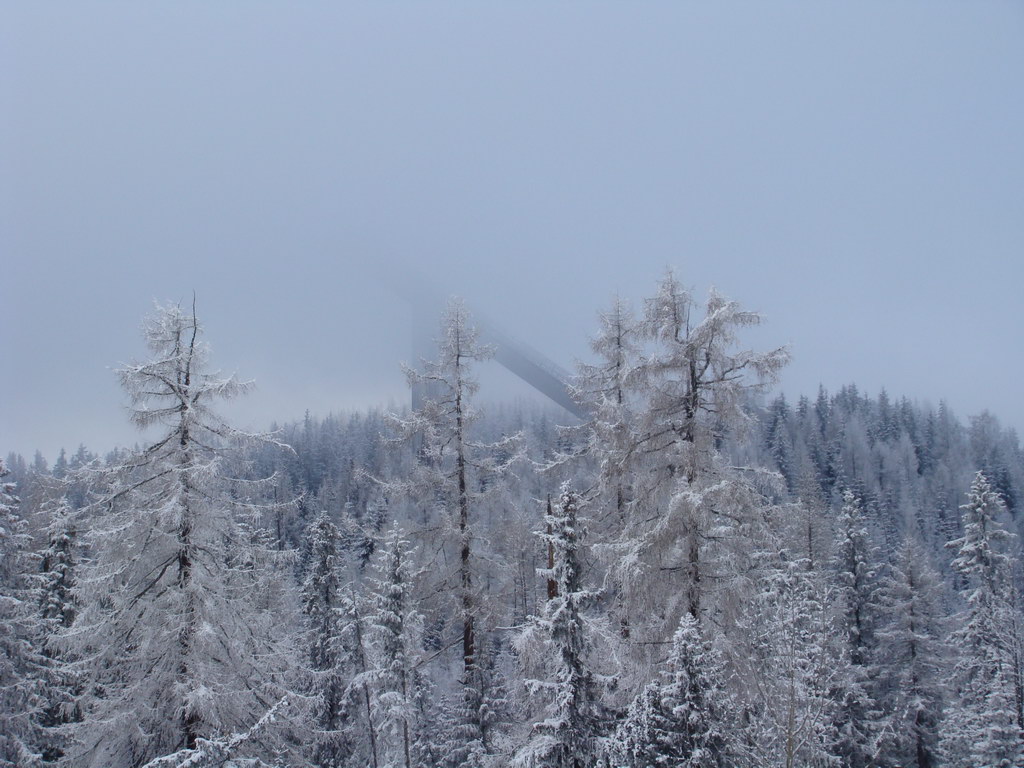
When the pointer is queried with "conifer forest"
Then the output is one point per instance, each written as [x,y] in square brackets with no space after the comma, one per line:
[695,573]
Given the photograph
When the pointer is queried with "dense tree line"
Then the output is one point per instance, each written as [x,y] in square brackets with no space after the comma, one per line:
[690,577]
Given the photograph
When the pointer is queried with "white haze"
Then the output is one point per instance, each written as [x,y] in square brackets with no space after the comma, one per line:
[855,172]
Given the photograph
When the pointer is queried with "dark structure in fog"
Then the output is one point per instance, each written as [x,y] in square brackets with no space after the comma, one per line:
[537,370]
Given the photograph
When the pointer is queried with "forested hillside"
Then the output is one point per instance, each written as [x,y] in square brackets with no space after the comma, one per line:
[694,576]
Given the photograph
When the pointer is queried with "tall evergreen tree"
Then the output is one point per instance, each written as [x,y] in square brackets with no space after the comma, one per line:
[356,653]
[697,510]
[178,629]
[395,628]
[682,720]
[787,666]
[568,736]
[334,711]
[21,666]
[694,378]
[608,390]
[57,607]
[59,561]
[777,438]
[856,566]
[912,660]
[982,727]
[452,474]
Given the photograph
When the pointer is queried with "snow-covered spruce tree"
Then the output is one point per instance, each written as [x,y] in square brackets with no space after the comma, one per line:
[58,562]
[474,722]
[335,714]
[855,564]
[982,725]
[178,631]
[786,667]
[395,628]
[912,660]
[683,719]
[57,607]
[355,649]
[461,737]
[365,530]
[778,440]
[453,473]
[564,636]
[427,749]
[21,665]
[499,711]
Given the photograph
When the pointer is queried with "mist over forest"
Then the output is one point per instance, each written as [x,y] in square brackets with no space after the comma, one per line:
[492,487]
[667,569]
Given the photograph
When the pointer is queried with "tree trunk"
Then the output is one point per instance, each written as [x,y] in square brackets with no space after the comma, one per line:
[552,583]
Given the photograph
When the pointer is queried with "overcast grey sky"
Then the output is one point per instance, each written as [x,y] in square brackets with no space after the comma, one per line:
[855,171]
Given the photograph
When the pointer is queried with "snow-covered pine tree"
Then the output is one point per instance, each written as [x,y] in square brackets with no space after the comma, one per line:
[683,719]
[855,564]
[568,737]
[982,726]
[607,391]
[21,665]
[695,380]
[461,741]
[499,712]
[778,441]
[636,739]
[79,477]
[473,723]
[786,667]
[334,712]
[178,632]
[355,653]
[369,526]
[57,607]
[690,385]
[427,749]
[912,660]
[58,560]
[451,476]
[395,629]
